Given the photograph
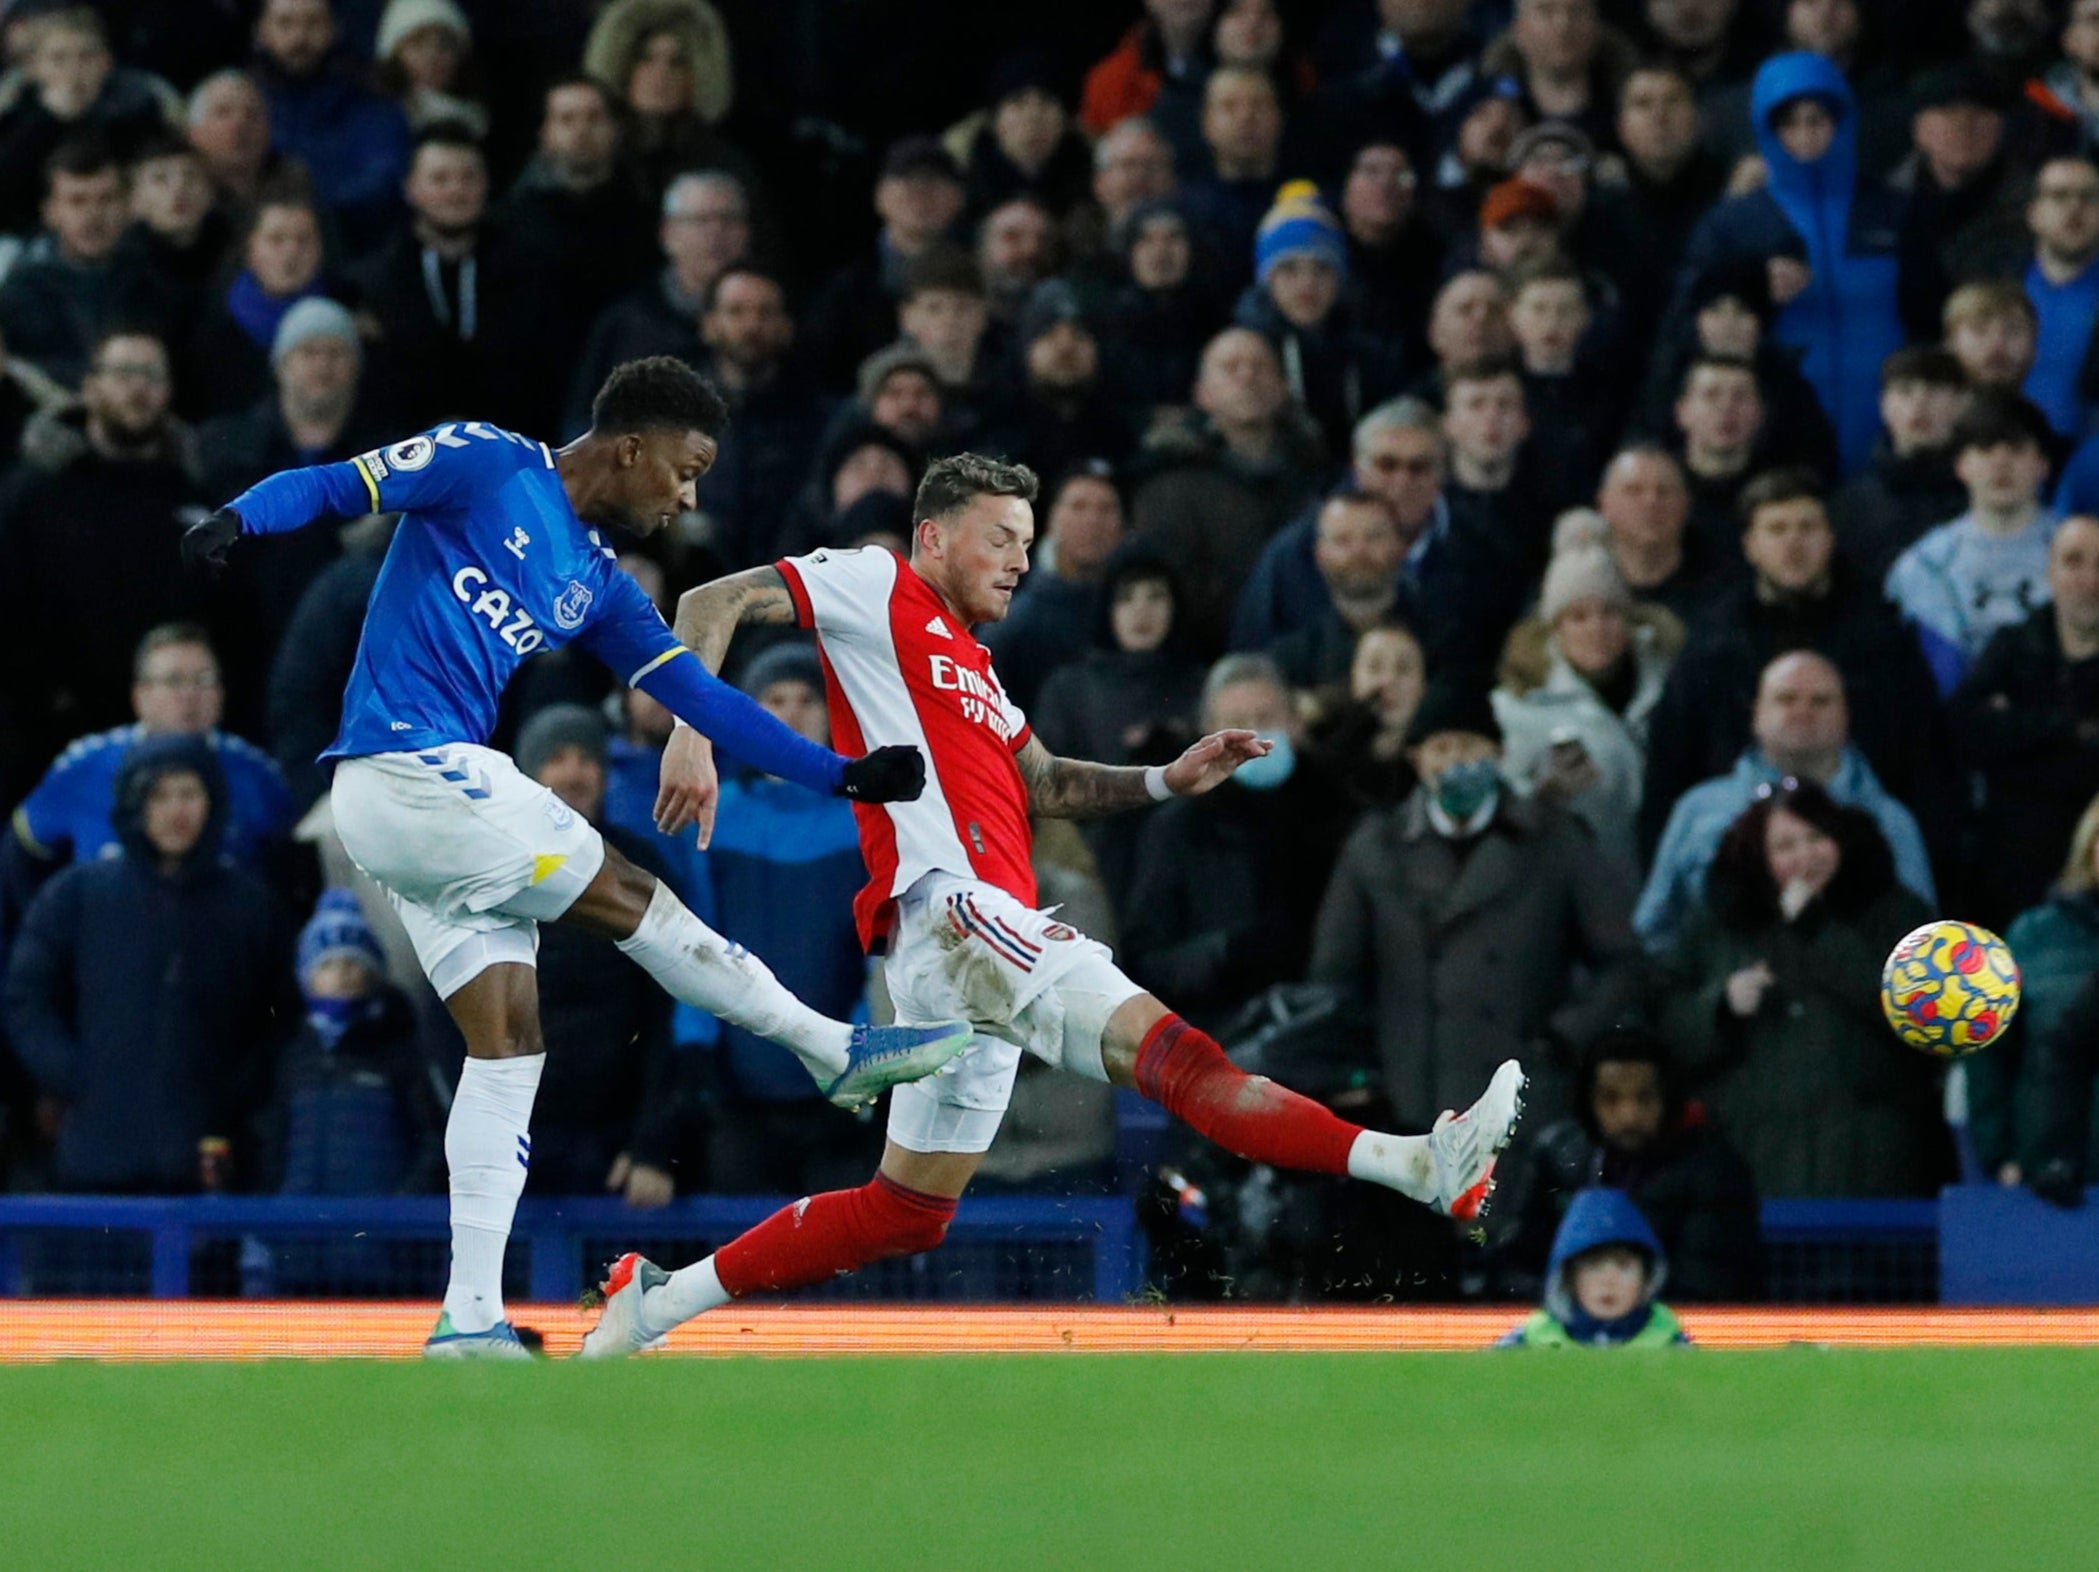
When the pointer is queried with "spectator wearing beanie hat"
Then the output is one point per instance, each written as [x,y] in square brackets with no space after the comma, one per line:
[615,1103]
[1519,222]
[424,52]
[784,865]
[1025,143]
[1300,302]
[355,1111]
[1063,414]
[1463,917]
[1578,681]
[1169,306]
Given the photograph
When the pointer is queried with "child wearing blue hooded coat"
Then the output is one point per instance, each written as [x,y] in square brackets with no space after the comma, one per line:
[1601,1282]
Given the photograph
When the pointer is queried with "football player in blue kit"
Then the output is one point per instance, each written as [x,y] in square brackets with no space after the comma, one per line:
[501,553]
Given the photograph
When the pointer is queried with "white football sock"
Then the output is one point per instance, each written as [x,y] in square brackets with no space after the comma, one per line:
[698,966]
[488,1150]
[1398,1162]
[690,1291]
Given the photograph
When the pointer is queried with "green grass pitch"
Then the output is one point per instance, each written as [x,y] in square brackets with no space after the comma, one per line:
[1915,1460]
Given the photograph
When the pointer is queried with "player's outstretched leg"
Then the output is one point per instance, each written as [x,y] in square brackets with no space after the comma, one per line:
[853,1064]
[1451,1169]
[812,1241]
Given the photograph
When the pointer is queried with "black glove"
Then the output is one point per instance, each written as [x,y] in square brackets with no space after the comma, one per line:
[204,543]
[894,774]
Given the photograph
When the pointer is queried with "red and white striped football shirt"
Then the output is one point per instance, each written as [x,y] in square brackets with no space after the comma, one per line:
[899,668]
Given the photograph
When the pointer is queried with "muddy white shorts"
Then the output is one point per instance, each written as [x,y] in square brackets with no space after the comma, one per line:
[473,852]
[1027,982]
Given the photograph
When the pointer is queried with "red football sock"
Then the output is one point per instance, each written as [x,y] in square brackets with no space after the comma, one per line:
[821,1236]
[1185,1072]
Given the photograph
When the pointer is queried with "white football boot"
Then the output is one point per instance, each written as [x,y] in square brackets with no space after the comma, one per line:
[1466,1145]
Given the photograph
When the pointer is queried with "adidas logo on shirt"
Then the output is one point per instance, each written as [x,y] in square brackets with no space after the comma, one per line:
[937,625]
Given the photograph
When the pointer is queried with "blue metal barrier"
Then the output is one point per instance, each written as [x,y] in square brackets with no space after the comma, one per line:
[554,1232]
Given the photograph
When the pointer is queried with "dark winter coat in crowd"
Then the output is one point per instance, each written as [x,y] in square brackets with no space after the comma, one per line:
[1116,706]
[100,539]
[1337,371]
[612,1082]
[1155,338]
[1703,722]
[1211,514]
[773,434]
[854,314]
[152,1003]
[1892,504]
[131,106]
[1848,319]
[651,319]
[1054,431]
[357,1115]
[1691,1184]
[354,143]
[313,662]
[2030,1097]
[994,178]
[1640,230]
[226,366]
[2026,720]
[598,244]
[1467,951]
[1395,284]
[52,310]
[469,347]
[269,575]
[1051,625]
[1814,1089]
[1795,429]
[1227,888]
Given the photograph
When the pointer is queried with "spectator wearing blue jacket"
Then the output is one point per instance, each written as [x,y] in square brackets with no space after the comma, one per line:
[353,141]
[1987,569]
[786,865]
[1833,243]
[148,992]
[1803,731]
[71,814]
[1601,1283]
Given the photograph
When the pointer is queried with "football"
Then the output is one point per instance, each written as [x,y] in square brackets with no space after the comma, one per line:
[1950,988]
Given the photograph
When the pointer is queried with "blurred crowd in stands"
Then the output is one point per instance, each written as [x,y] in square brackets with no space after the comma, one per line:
[1635,457]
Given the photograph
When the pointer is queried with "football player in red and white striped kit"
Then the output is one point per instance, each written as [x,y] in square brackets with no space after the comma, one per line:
[951,902]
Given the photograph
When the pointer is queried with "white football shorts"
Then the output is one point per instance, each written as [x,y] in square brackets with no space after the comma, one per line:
[1027,982]
[473,853]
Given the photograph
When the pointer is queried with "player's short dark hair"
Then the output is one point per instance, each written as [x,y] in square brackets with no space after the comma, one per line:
[170,635]
[1932,364]
[660,393]
[1788,483]
[952,483]
[1999,418]
[81,157]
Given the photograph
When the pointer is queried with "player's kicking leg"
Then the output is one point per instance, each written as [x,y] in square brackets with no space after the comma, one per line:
[853,1064]
[1144,1046]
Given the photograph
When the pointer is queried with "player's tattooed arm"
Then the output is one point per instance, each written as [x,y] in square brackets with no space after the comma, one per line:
[1074,789]
[709,615]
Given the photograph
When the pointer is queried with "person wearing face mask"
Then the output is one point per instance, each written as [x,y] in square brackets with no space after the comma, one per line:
[1773,1007]
[1578,682]
[1462,917]
[1227,885]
